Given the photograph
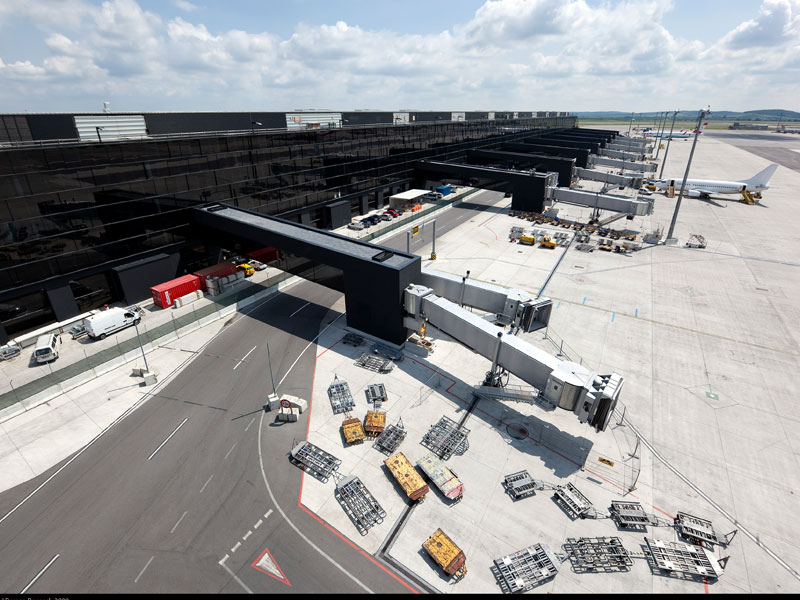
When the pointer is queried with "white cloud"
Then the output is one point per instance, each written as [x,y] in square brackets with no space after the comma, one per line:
[517,54]
[185,6]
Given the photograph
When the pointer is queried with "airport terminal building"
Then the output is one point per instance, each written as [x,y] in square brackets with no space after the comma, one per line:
[96,207]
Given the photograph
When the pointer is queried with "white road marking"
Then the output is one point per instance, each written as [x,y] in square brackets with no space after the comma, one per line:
[267,514]
[245,356]
[229,452]
[299,309]
[299,356]
[206,483]
[143,569]
[288,520]
[253,420]
[47,566]
[236,547]
[174,527]
[257,525]
[247,535]
[166,440]
[232,574]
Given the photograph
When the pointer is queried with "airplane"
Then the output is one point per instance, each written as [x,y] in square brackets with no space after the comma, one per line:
[684,134]
[785,129]
[703,188]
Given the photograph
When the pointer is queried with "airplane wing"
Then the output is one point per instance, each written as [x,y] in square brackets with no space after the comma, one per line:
[696,192]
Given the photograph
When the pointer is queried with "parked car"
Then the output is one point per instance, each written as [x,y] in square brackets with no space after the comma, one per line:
[386,217]
[357,225]
[391,211]
[246,268]
[367,222]
[257,265]
[47,347]
[9,351]
[375,219]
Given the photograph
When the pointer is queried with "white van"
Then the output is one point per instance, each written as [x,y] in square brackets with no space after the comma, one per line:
[47,347]
[109,321]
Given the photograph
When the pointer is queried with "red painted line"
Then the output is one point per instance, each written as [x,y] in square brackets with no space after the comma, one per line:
[254,564]
[705,583]
[492,230]
[355,547]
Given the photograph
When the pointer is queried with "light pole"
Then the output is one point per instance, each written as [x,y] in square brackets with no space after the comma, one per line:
[660,132]
[669,139]
[98,130]
[701,116]
[253,126]
[630,124]
[270,370]
[136,324]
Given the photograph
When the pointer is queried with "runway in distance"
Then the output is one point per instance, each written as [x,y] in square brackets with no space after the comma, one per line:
[704,188]
[683,134]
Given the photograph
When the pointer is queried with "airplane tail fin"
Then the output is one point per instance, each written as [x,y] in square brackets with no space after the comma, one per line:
[763,177]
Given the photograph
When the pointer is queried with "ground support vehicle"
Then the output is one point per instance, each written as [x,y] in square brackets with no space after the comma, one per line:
[353,431]
[407,476]
[446,554]
[442,477]
[374,422]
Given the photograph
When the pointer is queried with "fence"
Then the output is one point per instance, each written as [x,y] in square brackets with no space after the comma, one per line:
[33,387]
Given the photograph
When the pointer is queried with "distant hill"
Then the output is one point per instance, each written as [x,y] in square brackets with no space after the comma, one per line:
[771,114]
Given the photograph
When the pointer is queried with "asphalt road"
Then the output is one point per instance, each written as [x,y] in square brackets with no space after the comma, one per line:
[184,495]
[782,148]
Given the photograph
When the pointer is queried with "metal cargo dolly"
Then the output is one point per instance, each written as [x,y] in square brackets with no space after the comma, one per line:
[686,559]
[340,396]
[388,352]
[376,392]
[374,363]
[525,569]
[446,438]
[389,441]
[353,339]
[521,485]
[315,459]
[359,504]
[695,530]
[575,503]
[597,554]
[631,515]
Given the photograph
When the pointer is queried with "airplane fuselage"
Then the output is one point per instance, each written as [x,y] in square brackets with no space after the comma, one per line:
[707,187]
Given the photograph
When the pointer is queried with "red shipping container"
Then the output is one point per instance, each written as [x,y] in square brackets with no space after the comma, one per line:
[164,294]
[222,269]
[265,255]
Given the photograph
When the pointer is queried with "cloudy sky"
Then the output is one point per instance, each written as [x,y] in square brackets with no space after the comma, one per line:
[576,55]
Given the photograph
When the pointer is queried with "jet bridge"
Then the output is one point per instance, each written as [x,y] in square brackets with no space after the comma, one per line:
[631,181]
[624,155]
[581,155]
[623,204]
[563,384]
[565,167]
[511,306]
[626,146]
[623,164]
[529,189]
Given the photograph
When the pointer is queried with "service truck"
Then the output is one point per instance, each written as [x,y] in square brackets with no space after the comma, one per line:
[111,320]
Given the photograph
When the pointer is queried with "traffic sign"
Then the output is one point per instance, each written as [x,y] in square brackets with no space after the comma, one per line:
[285,403]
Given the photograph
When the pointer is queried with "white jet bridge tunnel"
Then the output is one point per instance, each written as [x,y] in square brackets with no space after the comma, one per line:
[563,384]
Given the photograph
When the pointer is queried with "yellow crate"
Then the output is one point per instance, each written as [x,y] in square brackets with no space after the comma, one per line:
[353,430]
[374,422]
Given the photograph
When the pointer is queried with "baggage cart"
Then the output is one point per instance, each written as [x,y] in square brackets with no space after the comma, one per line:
[442,477]
[407,476]
[446,554]
[353,431]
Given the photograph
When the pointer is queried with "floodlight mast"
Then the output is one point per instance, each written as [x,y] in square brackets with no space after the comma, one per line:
[703,114]
[669,139]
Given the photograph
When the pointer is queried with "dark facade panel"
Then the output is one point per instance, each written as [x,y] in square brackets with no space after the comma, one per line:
[367,118]
[476,116]
[52,127]
[430,116]
[337,214]
[580,155]
[135,279]
[565,141]
[196,122]
[63,302]
[542,164]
